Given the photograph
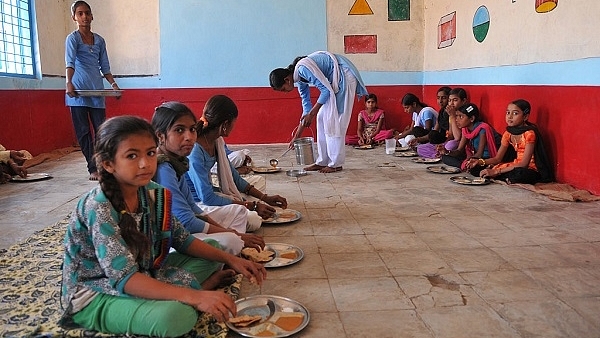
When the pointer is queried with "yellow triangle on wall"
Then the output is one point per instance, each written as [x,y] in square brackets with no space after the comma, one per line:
[360,7]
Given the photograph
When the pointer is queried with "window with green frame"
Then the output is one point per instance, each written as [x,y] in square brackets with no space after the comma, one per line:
[17,56]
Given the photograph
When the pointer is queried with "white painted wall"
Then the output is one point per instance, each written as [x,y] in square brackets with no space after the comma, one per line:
[399,43]
[130,28]
[518,35]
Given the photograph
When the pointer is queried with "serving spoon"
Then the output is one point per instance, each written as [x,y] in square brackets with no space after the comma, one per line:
[274,162]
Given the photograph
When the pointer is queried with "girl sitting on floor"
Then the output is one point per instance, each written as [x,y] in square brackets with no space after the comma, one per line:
[477,141]
[371,125]
[118,275]
[423,119]
[217,121]
[175,127]
[531,164]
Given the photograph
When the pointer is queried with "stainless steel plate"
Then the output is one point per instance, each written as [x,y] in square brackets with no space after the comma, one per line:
[266,170]
[31,177]
[409,153]
[257,306]
[104,92]
[285,254]
[283,216]
[440,169]
[296,172]
[426,160]
[469,180]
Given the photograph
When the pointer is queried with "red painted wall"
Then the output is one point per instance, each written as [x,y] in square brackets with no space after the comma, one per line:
[37,120]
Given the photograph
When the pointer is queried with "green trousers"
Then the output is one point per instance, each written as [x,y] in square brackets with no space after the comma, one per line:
[156,318]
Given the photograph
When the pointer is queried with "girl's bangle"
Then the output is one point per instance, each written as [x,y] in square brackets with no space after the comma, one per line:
[262,198]
[113,84]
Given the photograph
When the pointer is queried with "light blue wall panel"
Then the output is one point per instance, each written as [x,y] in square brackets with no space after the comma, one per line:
[235,43]
[582,72]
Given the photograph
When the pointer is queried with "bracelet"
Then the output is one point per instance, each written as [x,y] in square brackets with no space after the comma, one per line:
[262,198]
[255,206]
[113,84]
[482,161]
[248,188]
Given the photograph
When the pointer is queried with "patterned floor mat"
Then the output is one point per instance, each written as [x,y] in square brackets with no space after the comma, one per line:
[30,276]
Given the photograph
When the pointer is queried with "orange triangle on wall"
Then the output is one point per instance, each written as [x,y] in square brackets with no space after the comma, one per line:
[360,7]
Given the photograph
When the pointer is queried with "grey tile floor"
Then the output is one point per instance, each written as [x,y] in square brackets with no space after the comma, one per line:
[392,250]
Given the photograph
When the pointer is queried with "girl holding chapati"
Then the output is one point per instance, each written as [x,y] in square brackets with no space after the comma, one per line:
[338,81]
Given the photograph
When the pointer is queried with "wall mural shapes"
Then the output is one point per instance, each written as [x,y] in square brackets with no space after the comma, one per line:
[545,6]
[360,44]
[360,7]
[398,10]
[481,23]
[447,30]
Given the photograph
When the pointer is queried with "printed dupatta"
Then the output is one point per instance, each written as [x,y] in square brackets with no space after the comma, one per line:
[489,137]
[374,119]
[156,204]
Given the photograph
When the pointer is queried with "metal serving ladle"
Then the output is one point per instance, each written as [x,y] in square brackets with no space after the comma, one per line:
[274,162]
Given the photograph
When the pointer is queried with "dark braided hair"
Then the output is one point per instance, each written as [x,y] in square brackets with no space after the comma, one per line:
[278,75]
[218,110]
[110,134]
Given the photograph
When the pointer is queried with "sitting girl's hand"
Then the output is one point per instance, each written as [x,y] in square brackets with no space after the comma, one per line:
[485,173]
[217,303]
[275,200]
[265,211]
[472,163]
[252,241]
[255,272]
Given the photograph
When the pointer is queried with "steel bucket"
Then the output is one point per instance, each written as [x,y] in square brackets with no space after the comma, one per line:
[304,150]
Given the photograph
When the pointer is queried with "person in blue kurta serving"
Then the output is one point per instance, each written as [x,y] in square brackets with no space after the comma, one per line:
[338,81]
[87,64]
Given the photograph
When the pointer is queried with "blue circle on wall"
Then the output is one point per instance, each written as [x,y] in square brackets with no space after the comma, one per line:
[481,23]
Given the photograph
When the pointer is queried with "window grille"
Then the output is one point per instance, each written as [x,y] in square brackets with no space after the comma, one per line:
[16,38]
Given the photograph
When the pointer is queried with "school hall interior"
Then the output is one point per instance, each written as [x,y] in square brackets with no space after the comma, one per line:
[391,250]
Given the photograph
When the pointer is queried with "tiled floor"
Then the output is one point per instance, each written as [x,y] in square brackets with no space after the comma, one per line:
[398,251]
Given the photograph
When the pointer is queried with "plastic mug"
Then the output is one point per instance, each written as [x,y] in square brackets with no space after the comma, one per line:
[390,146]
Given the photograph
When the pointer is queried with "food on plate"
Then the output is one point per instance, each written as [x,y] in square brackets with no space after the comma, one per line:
[245,320]
[289,321]
[289,254]
[479,180]
[286,215]
[257,256]
[265,333]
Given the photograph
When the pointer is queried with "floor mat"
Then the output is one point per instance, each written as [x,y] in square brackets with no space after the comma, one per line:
[30,277]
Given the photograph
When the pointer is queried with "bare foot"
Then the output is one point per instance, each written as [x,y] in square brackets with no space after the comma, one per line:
[314,167]
[94,176]
[327,170]
[219,279]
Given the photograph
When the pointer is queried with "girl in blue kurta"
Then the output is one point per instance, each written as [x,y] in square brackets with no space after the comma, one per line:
[217,121]
[338,81]
[175,126]
[118,274]
[87,64]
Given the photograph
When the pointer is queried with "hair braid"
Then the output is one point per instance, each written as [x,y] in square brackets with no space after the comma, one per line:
[135,240]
